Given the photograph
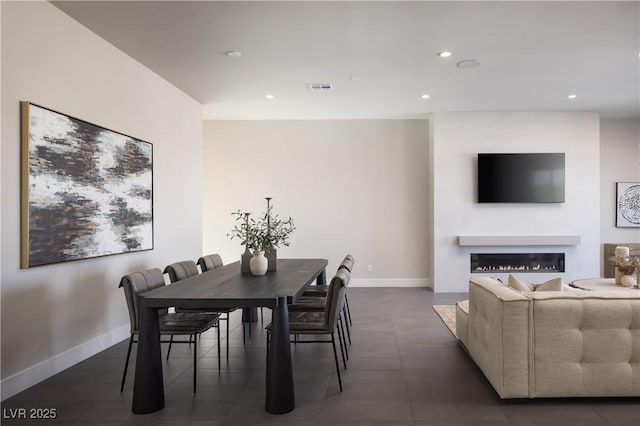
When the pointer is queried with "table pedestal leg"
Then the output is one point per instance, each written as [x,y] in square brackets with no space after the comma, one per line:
[280,393]
[249,314]
[148,388]
[322,278]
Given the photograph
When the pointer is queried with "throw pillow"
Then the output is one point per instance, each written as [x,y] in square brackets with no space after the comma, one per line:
[522,286]
[551,285]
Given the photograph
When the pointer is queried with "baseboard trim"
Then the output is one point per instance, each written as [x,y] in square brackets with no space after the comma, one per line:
[390,282]
[28,377]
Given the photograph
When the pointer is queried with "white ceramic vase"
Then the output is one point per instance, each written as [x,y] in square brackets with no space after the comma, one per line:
[627,281]
[623,252]
[258,263]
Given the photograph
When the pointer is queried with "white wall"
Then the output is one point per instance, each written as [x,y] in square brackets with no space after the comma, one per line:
[352,186]
[459,137]
[619,162]
[54,316]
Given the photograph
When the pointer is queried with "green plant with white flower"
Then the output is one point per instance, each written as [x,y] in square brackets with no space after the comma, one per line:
[269,231]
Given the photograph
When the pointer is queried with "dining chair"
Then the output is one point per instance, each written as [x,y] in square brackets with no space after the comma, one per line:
[212,261]
[315,301]
[187,268]
[311,298]
[191,324]
[207,263]
[322,323]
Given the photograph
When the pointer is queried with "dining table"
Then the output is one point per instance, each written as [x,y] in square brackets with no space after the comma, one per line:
[221,288]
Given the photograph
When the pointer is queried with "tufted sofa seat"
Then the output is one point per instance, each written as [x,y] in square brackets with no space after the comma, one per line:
[552,344]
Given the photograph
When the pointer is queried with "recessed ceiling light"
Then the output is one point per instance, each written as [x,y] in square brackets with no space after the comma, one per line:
[233,53]
[425,96]
[269,96]
[468,63]
[572,96]
[354,78]
[444,54]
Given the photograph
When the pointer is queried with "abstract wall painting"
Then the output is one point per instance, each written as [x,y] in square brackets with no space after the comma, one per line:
[628,204]
[86,191]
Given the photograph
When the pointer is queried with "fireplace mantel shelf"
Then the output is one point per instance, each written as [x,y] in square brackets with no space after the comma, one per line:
[518,240]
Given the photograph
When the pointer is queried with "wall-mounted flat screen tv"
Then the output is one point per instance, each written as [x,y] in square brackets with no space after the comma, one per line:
[521,178]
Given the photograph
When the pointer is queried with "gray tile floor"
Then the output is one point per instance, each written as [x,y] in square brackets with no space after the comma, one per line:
[405,369]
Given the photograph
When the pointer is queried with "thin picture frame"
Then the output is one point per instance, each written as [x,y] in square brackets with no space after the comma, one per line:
[86,191]
[628,204]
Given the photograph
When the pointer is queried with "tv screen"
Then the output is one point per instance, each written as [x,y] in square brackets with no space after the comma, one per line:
[521,178]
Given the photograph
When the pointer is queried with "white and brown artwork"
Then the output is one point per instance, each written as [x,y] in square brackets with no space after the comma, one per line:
[628,204]
[86,191]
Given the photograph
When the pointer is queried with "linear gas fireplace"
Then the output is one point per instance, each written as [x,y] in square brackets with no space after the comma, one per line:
[517,262]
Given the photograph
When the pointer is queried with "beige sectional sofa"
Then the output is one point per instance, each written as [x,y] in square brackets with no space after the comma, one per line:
[552,344]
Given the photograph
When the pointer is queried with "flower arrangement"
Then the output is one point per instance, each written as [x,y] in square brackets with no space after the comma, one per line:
[277,230]
[247,230]
[626,265]
[269,231]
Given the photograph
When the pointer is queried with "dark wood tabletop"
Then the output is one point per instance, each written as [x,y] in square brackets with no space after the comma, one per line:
[227,287]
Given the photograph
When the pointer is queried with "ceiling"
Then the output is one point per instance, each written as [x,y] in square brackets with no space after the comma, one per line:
[380,57]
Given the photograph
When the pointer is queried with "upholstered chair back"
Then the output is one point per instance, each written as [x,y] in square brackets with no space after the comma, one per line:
[347,263]
[335,298]
[209,262]
[136,283]
[181,270]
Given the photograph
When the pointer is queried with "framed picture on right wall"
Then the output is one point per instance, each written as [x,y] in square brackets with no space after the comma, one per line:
[628,204]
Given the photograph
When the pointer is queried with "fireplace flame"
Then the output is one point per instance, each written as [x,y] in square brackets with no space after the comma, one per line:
[507,268]
[517,262]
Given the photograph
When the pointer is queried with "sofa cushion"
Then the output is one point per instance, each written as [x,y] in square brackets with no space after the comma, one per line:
[462,321]
[497,337]
[586,344]
[494,285]
[464,306]
[525,287]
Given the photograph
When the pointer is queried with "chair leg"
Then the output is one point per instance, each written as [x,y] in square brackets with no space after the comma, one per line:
[261,316]
[346,303]
[341,333]
[126,364]
[171,343]
[218,328]
[244,334]
[195,361]
[335,357]
[342,346]
[227,337]
[346,324]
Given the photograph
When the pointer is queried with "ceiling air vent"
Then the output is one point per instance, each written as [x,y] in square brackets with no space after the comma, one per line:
[320,87]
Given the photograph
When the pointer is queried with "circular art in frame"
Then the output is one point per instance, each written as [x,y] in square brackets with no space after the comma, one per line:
[628,204]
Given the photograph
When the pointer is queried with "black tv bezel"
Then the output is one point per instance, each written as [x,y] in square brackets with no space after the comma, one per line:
[523,201]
